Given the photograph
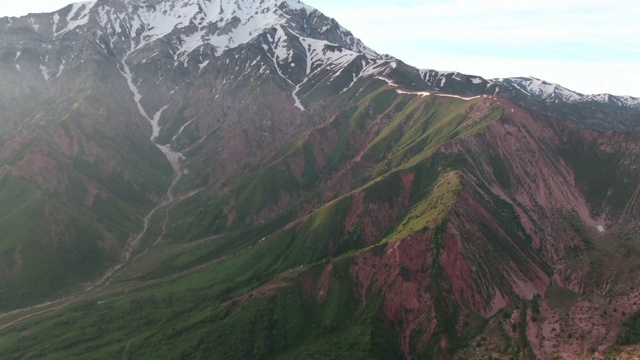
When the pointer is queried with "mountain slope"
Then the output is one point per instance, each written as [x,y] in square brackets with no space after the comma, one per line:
[232,179]
[92,192]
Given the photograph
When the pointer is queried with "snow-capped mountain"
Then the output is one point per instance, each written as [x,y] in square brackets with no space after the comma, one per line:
[547,91]
[529,86]
[189,25]
[223,24]
[155,43]
[242,174]
[167,36]
[541,89]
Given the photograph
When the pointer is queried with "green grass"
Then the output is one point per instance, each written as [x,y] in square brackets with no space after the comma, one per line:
[418,126]
[20,211]
[431,211]
[423,124]
[49,244]
[178,320]
[184,301]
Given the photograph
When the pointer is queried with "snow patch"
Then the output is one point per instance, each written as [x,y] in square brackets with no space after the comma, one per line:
[296,99]
[458,97]
[33,24]
[78,16]
[155,122]
[545,90]
[235,22]
[45,72]
[225,24]
[182,129]
[172,156]
[555,93]
[136,97]
[420,93]
[55,20]
[424,93]
[202,66]
[60,69]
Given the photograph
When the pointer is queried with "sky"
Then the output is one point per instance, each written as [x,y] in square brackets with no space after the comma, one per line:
[590,46]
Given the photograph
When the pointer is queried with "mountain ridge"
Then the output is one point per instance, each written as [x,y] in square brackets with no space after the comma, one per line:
[294,196]
[534,87]
[197,16]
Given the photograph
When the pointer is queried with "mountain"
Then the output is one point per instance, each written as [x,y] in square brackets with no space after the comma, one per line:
[244,179]
[603,112]
[529,86]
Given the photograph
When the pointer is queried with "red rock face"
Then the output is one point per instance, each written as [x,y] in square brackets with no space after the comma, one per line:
[503,264]
[547,192]
[461,277]
[510,234]
[521,223]
[400,275]
[357,207]
[513,232]
[324,282]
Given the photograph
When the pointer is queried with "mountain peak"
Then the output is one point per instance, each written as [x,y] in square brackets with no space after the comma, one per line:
[202,29]
[544,90]
[189,24]
[224,24]
[548,91]
[530,86]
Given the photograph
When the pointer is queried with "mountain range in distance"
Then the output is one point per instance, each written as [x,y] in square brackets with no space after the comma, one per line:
[247,179]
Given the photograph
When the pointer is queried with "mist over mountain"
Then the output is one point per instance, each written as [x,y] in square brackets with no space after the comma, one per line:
[247,179]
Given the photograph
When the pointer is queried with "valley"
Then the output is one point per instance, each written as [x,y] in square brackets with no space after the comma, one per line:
[237,180]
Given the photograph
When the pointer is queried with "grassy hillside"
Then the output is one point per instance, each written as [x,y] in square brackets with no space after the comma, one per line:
[283,287]
[73,191]
[379,233]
